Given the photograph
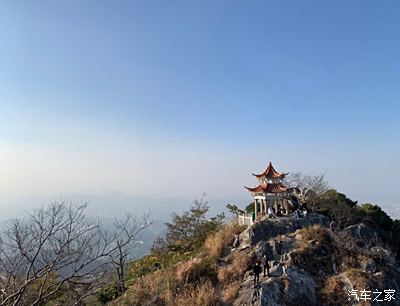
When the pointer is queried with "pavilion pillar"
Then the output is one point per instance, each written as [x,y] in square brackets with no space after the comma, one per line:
[262,207]
[265,206]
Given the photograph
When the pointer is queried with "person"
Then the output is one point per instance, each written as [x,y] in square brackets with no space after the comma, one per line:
[271,213]
[236,242]
[332,225]
[265,264]
[256,271]
[305,212]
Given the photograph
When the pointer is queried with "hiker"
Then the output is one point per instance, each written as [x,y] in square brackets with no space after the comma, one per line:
[271,213]
[236,242]
[257,271]
[332,225]
[305,212]
[265,265]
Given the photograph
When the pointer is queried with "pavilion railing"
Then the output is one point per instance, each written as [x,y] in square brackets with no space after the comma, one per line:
[245,219]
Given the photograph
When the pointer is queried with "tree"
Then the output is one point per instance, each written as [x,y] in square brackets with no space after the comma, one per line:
[337,197]
[339,207]
[189,230]
[125,236]
[375,214]
[316,183]
[57,249]
[311,187]
[234,209]
[396,237]
[250,208]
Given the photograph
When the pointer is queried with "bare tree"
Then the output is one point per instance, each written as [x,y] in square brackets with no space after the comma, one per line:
[316,183]
[126,234]
[312,187]
[56,249]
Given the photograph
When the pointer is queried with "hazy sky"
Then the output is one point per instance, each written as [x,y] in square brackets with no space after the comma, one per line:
[169,99]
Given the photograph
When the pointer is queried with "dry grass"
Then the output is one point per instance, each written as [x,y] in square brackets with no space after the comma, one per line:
[195,269]
[332,292]
[150,290]
[359,278]
[230,291]
[218,242]
[316,233]
[200,295]
[189,270]
[236,269]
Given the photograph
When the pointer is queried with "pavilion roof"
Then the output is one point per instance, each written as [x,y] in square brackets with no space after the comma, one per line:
[270,172]
[268,188]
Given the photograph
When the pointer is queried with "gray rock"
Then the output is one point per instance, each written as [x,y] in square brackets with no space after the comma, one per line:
[300,287]
[270,228]
[364,234]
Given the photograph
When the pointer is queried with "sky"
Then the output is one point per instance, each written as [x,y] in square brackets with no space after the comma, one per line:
[169,99]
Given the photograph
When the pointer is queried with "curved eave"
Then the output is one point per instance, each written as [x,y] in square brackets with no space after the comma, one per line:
[279,175]
[254,189]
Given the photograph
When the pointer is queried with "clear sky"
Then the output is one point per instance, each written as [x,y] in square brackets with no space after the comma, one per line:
[168,99]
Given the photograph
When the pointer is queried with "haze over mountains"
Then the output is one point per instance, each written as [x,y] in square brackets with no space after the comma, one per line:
[109,205]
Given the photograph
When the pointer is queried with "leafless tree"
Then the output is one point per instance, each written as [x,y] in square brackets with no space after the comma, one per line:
[316,183]
[311,186]
[126,234]
[57,249]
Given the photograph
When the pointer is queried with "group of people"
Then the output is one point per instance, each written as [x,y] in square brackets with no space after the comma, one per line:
[300,213]
[259,267]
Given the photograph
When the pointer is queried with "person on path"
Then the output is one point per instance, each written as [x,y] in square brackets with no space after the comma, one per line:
[332,225]
[271,213]
[257,272]
[265,265]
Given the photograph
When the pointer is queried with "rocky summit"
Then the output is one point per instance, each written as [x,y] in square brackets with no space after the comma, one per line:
[312,265]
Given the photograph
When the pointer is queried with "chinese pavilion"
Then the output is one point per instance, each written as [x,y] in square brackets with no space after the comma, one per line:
[271,192]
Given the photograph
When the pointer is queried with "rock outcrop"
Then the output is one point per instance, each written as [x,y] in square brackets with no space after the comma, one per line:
[310,265]
[364,235]
[269,228]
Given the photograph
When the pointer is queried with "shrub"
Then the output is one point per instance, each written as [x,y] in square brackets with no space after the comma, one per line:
[108,293]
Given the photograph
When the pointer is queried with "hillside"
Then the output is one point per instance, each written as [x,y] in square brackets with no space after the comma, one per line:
[320,267]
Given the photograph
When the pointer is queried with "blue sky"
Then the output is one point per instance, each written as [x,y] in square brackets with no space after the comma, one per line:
[173,98]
